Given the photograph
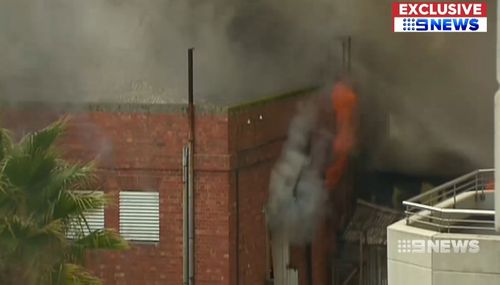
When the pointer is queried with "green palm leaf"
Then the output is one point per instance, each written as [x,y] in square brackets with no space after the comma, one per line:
[76,275]
[5,143]
[96,240]
[39,205]
[43,141]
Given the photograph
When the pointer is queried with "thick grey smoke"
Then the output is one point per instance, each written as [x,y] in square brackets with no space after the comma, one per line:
[426,98]
[135,50]
[297,196]
[437,89]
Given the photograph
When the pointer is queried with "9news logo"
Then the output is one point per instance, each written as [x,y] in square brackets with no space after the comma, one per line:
[439,17]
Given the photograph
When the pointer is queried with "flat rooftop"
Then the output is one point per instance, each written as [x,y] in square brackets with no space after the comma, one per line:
[151,104]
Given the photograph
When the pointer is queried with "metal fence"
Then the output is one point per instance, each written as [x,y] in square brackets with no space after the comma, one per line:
[370,269]
[445,208]
[375,265]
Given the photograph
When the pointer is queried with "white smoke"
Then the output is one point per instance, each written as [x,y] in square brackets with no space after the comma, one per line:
[297,195]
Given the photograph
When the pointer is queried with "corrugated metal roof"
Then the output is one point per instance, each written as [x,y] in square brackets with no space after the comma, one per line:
[371,219]
[140,215]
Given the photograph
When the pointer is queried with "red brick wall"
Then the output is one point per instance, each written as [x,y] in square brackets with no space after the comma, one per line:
[256,144]
[252,227]
[256,136]
[212,229]
[142,151]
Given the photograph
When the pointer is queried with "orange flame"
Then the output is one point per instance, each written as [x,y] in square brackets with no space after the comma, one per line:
[344,101]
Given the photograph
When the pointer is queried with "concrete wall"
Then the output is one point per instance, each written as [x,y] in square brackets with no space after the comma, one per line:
[441,268]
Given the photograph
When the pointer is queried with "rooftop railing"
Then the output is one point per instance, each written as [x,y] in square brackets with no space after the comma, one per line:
[456,206]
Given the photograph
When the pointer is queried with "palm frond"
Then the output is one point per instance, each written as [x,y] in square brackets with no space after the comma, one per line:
[74,204]
[5,143]
[102,239]
[25,229]
[22,170]
[39,205]
[70,274]
[44,140]
[54,202]
[31,249]
[76,275]
[96,240]
[72,177]
[4,193]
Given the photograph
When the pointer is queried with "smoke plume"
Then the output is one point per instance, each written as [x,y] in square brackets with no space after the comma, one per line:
[297,195]
[425,99]
[135,51]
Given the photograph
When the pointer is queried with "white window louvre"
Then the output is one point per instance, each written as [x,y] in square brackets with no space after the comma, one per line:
[140,216]
[95,218]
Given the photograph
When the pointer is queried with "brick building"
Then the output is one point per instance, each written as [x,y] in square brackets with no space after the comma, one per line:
[139,148]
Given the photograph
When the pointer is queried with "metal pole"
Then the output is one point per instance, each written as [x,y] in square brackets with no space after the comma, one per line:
[185,216]
[454,196]
[483,185]
[309,259]
[349,54]
[237,198]
[344,55]
[476,186]
[190,77]
[360,258]
[191,210]
[191,216]
[497,130]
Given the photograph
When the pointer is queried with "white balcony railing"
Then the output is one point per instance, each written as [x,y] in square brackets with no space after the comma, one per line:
[463,205]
